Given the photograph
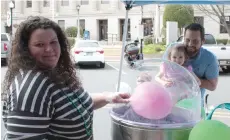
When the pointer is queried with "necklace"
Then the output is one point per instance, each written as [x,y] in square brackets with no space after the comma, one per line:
[80,111]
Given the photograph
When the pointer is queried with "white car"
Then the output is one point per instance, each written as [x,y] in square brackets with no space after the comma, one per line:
[6,47]
[88,52]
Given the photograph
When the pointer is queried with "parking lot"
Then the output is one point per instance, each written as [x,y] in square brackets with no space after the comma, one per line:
[96,80]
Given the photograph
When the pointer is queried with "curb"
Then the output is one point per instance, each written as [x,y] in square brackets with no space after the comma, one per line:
[117,58]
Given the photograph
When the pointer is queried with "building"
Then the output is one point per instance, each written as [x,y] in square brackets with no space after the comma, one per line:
[103,18]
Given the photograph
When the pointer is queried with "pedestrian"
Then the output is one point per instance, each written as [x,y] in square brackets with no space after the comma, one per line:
[204,63]
[45,98]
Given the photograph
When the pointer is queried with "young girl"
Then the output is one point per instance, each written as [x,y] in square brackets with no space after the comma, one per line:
[174,77]
[178,55]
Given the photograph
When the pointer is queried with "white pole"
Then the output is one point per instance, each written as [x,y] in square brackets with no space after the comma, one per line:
[78,25]
[141,14]
[53,10]
[123,48]
[157,27]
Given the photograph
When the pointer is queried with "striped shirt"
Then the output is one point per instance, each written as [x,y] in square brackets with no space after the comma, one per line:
[37,109]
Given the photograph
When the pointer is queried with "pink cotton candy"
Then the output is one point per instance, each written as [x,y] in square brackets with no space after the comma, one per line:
[151,100]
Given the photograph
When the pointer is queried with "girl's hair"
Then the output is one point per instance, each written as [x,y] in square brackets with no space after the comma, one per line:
[21,59]
[177,48]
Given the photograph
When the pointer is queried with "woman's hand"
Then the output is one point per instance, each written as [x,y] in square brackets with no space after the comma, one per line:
[100,100]
[118,97]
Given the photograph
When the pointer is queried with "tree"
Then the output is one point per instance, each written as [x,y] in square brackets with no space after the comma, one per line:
[217,13]
[72,31]
[182,14]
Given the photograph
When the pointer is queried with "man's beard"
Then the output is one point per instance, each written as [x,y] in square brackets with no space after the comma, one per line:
[192,52]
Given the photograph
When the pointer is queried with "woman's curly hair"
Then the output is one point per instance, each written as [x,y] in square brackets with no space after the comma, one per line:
[21,59]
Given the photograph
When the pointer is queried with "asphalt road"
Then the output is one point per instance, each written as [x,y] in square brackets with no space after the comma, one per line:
[96,80]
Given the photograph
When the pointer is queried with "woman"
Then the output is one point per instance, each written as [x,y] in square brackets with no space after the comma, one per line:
[45,99]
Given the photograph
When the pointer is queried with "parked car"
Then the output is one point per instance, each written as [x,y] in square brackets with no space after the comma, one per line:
[88,52]
[221,51]
[5,47]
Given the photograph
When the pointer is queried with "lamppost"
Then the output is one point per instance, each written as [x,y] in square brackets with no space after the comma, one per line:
[78,22]
[11,6]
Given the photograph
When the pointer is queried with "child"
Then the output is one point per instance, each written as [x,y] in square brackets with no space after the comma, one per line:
[178,55]
[172,77]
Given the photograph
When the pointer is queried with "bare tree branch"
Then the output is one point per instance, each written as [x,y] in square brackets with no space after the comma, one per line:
[218,11]
[223,19]
[209,13]
[206,10]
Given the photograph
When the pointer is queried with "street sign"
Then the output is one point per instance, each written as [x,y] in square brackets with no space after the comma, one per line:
[8,19]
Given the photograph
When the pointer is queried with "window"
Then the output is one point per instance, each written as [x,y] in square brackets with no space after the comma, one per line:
[223,30]
[209,39]
[4,37]
[61,23]
[199,19]
[84,2]
[82,24]
[88,44]
[28,3]
[46,3]
[65,3]
[122,23]
[104,1]
[103,29]
[148,26]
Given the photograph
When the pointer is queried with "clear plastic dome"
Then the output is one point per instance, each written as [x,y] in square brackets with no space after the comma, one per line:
[184,93]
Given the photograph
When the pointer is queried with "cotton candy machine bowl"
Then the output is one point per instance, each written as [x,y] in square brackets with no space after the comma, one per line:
[124,127]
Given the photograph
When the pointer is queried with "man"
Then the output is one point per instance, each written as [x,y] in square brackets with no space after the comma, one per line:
[204,63]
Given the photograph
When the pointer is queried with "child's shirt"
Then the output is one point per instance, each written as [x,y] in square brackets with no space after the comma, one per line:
[181,78]
[173,71]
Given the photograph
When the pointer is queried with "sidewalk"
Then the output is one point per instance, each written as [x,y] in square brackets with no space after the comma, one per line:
[116,58]
[112,51]
[111,46]
[116,51]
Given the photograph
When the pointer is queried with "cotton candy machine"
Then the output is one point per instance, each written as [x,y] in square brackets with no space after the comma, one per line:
[128,124]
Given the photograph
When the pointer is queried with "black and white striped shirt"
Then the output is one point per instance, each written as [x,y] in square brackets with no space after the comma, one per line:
[37,109]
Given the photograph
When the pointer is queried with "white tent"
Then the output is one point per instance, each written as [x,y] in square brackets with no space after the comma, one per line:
[134,3]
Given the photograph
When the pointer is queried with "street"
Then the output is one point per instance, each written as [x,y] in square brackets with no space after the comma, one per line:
[96,80]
